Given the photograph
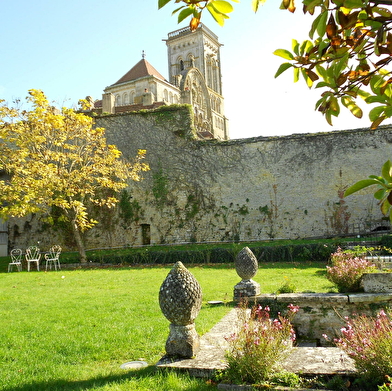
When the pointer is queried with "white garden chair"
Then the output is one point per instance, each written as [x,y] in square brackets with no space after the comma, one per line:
[53,257]
[16,260]
[33,255]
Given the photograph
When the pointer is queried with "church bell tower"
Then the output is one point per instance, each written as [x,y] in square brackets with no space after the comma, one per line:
[195,67]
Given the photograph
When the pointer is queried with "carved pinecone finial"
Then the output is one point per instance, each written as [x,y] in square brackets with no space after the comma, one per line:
[180,296]
[246,264]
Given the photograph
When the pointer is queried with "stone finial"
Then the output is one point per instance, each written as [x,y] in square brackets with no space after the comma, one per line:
[246,266]
[180,299]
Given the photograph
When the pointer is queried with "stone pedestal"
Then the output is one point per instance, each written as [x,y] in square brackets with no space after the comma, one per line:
[183,341]
[246,288]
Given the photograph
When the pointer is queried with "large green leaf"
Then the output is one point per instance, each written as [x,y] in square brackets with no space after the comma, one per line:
[222,6]
[380,194]
[322,24]
[360,185]
[162,3]
[352,4]
[284,54]
[376,112]
[386,171]
[184,14]
[283,67]
[219,17]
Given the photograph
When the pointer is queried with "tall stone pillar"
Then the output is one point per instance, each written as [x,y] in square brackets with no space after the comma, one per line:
[108,103]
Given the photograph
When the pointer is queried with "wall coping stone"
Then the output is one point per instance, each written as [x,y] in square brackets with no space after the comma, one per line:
[369,297]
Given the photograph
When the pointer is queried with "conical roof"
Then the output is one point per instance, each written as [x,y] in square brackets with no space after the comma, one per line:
[141,69]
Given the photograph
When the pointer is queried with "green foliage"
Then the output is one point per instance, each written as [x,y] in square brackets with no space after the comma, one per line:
[384,188]
[347,270]
[287,286]
[368,341]
[160,187]
[347,54]
[129,210]
[259,345]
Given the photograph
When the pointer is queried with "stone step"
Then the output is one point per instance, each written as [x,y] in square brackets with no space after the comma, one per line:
[303,360]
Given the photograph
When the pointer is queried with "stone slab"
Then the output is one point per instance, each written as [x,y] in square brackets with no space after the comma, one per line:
[369,297]
[211,357]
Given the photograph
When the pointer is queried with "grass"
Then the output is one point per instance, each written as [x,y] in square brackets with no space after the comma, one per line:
[71,330]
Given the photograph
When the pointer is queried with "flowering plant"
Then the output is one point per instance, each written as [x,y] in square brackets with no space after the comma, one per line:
[346,270]
[368,341]
[259,344]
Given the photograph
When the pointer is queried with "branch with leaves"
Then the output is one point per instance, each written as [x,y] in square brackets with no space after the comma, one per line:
[347,56]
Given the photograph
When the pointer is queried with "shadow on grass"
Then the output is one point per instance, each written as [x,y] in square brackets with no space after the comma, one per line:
[107,381]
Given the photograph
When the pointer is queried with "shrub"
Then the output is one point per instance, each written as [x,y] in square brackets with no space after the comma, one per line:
[259,345]
[346,271]
[368,341]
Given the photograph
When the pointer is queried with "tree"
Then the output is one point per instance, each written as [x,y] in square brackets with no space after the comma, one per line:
[57,159]
[349,51]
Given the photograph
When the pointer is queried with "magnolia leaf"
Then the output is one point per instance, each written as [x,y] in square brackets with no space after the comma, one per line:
[352,106]
[375,99]
[322,24]
[284,54]
[218,16]
[328,117]
[296,74]
[295,46]
[162,3]
[360,185]
[314,26]
[380,194]
[375,124]
[353,4]
[376,112]
[222,6]
[184,14]
[283,67]
[385,207]
[386,171]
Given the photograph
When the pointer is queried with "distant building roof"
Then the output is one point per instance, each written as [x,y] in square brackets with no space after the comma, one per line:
[141,69]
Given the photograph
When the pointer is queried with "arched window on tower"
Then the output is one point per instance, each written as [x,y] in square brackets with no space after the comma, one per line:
[218,105]
[209,72]
[182,67]
[125,99]
[132,98]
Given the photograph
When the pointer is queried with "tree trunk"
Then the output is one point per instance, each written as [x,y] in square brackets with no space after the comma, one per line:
[79,242]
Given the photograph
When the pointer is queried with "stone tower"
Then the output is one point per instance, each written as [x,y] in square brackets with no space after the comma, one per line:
[195,68]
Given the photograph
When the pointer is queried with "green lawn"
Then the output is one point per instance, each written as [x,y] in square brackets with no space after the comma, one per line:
[71,330]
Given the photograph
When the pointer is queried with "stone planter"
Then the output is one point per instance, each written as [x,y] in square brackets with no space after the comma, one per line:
[377,282]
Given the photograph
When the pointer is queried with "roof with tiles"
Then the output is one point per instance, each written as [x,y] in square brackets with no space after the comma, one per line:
[141,69]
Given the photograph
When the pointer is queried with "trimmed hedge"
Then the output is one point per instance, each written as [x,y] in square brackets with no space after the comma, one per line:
[264,253]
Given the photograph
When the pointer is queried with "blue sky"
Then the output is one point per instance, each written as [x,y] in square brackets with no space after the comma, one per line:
[71,49]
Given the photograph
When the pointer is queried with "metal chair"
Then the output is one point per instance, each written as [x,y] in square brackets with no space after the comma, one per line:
[16,259]
[33,255]
[53,257]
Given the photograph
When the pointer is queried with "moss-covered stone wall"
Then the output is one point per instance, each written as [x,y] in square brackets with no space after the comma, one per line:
[257,188]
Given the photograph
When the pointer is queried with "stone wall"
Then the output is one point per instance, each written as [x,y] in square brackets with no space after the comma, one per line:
[246,189]
[324,313]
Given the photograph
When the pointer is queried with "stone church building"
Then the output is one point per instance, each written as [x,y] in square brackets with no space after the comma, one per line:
[195,78]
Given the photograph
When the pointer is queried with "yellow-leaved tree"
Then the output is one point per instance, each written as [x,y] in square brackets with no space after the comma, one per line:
[56,158]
